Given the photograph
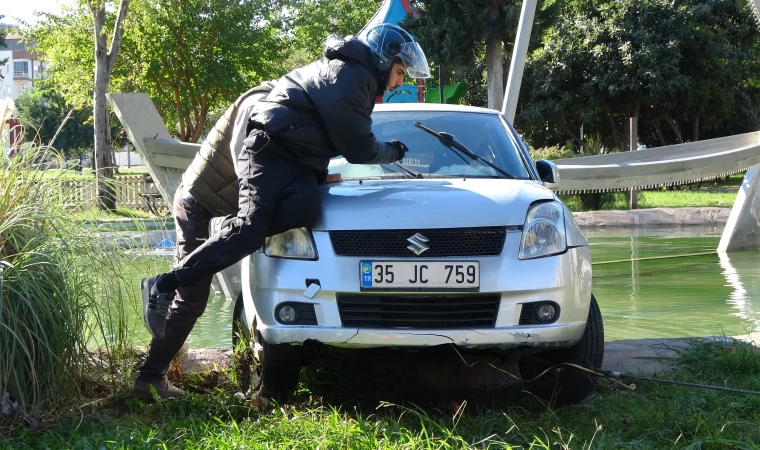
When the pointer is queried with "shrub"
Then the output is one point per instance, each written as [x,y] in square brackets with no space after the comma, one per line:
[64,297]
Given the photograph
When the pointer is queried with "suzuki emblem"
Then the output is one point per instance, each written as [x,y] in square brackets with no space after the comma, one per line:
[418,242]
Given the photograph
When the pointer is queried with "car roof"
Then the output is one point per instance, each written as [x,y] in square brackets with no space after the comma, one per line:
[402,107]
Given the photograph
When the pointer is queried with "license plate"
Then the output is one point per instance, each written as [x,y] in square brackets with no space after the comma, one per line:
[420,275]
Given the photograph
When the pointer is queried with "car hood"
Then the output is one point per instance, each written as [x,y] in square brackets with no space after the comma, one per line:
[449,203]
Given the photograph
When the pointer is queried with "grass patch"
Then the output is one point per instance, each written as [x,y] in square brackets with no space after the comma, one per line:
[350,413]
[683,199]
[712,193]
[96,214]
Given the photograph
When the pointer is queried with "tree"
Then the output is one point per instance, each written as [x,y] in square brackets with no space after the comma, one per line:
[456,32]
[305,25]
[197,56]
[104,62]
[666,64]
[76,44]
[51,121]
[193,57]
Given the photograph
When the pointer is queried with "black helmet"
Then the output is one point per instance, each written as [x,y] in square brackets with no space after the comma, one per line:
[388,42]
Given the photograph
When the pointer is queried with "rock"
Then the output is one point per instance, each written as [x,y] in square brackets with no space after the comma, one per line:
[201,359]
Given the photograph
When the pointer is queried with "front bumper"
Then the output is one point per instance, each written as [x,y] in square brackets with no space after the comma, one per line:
[548,336]
[564,279]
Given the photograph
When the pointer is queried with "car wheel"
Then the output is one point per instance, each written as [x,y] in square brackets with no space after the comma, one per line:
[268,370]
[566,384]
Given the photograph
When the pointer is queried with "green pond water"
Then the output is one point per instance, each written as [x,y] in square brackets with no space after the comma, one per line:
[658,298]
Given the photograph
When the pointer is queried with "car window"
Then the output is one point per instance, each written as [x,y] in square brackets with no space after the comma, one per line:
[484,134]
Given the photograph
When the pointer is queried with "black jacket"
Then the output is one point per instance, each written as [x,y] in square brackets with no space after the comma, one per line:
[323,109]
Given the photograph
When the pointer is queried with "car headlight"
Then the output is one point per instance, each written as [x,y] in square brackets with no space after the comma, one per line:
[544,231]
[296,243]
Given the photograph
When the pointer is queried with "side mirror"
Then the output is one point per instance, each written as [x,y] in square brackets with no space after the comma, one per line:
[548,172]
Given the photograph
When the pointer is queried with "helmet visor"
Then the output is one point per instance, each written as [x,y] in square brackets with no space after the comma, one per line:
[413,57]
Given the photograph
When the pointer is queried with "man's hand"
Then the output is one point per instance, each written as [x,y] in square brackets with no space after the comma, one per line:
[401,149]
[333,178]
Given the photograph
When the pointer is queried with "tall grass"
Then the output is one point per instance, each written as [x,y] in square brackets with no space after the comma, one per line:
[64,301]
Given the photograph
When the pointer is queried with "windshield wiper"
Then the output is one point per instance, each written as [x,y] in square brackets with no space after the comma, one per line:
[409,171]
[450,141]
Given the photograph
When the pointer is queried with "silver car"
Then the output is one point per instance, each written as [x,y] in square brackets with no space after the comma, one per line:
[463,243]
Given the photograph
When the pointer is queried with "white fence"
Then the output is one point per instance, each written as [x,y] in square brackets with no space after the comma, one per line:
[136,193]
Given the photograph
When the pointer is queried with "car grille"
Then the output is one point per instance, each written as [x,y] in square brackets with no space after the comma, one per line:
[442,242]
[387,311]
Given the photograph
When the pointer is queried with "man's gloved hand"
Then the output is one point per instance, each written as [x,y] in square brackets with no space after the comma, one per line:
[401,149]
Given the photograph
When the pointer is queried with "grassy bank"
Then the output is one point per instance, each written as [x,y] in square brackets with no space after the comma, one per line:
[719,193]
[342,408]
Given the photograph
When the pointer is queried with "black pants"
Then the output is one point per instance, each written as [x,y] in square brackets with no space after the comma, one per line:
[277,194]
[266,174]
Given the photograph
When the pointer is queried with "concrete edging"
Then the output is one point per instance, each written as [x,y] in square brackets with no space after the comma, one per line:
[705,216]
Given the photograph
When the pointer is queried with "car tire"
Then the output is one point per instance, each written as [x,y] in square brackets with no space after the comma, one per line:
[271,371]
[566,384]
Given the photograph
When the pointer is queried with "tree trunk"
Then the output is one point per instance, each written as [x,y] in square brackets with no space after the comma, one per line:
[441,82]
[613,126]
[676,129]
[104,61]
[103,150]
[695,132]
[576,137]
[495,65]
[660,137]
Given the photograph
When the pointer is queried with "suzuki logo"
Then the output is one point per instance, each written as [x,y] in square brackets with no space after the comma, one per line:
[418,242]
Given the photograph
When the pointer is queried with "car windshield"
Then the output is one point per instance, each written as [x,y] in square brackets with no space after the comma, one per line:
[483,134]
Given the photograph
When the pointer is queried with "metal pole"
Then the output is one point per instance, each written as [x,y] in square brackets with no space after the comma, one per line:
[581,139]
[440,83]
[519,54]
[633,145]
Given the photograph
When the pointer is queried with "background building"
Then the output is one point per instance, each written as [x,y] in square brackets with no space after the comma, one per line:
[21,70]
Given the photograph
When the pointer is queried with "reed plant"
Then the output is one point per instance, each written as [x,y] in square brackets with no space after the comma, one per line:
[65,297]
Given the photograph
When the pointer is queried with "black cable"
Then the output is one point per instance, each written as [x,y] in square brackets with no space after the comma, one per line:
[611,374]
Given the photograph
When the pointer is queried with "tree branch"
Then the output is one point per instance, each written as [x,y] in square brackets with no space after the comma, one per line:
[118,33]
[565,129]
[674,126]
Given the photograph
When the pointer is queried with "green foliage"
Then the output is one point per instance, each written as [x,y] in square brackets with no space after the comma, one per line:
[45,116]
[66,39]
[455,33]
[681,68]
[197,56]
[64,301]
[307,23]
[192,57]
[551,153]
